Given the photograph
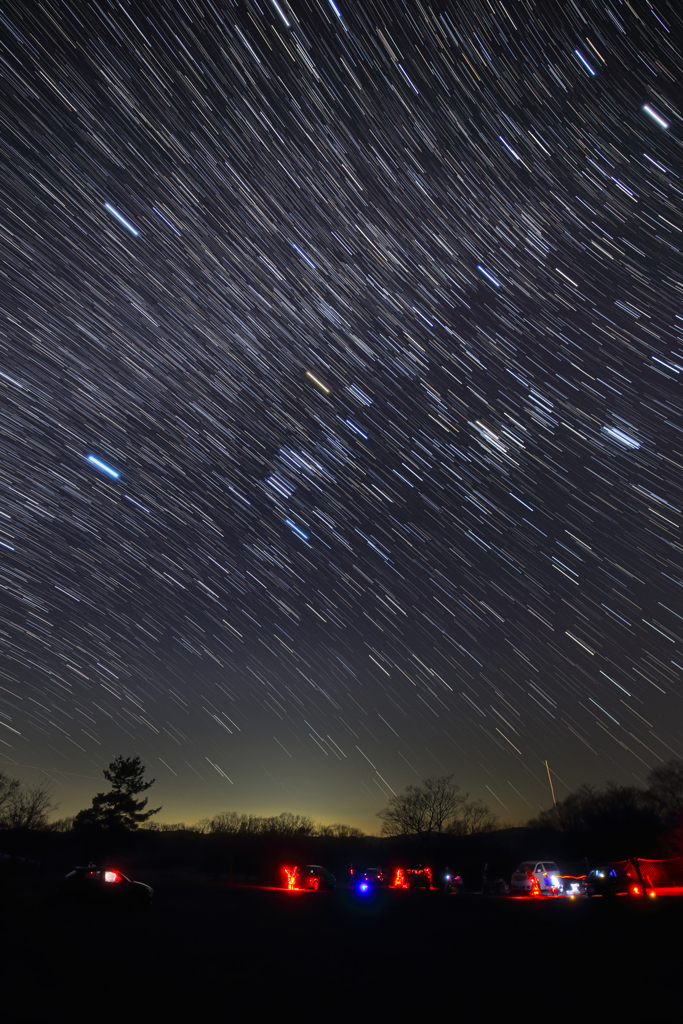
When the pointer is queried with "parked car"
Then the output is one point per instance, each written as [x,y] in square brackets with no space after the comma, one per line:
[413,878]
[609,880]
[104,887]
[311,876]
[373,878]
[531,873]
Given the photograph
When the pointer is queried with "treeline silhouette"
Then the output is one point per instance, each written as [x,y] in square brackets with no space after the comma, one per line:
[231,823]
[596,824]
[622,820]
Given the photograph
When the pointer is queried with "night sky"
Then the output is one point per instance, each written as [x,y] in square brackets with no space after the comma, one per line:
[341,399]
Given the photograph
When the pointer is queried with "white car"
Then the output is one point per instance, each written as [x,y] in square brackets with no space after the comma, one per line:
[545,872]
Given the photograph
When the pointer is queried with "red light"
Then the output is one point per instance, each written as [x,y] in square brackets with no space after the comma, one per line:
[291,877]
[112,876]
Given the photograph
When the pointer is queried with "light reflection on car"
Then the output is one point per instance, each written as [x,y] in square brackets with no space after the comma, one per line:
[311,876]
[610,880]
[94,886]
[537,878]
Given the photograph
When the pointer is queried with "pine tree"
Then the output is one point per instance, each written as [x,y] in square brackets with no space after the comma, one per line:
[119,808]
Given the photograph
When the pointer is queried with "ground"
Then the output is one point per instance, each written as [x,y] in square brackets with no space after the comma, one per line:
[206,949]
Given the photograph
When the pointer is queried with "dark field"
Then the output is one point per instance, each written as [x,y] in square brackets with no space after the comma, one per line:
[253,954]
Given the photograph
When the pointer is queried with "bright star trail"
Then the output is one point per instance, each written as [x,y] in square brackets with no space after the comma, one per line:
[103,467]
[122,220]
[371,316]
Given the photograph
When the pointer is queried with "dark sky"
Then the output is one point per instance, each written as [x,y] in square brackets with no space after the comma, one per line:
[371,314]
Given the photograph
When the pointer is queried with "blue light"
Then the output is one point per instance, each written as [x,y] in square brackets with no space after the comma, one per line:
[301,253]
[655,116]
[101,465]
[584,62]
[292,526]
[363,887]
[486,274]
[356,429]
[621,436]
[171,226]
[507,146]
[122,220]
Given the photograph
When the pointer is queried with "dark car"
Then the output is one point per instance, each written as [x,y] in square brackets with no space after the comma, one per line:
[104,887]
[610,881]
[311,876]
[371,880]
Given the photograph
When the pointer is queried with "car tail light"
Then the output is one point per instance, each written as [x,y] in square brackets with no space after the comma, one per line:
[112,876]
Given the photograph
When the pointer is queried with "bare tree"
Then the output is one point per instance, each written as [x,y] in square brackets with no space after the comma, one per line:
[587,806]
[62,825]
[424,809]
[436,806]
[406,814]
[8,789]
[666,788]
[290,825]
[225,823]
[29,807]
[231,823]
[339,831]
[166,826]
[475,817]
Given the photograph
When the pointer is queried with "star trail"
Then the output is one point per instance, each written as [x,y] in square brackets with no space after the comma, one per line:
[341,398]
